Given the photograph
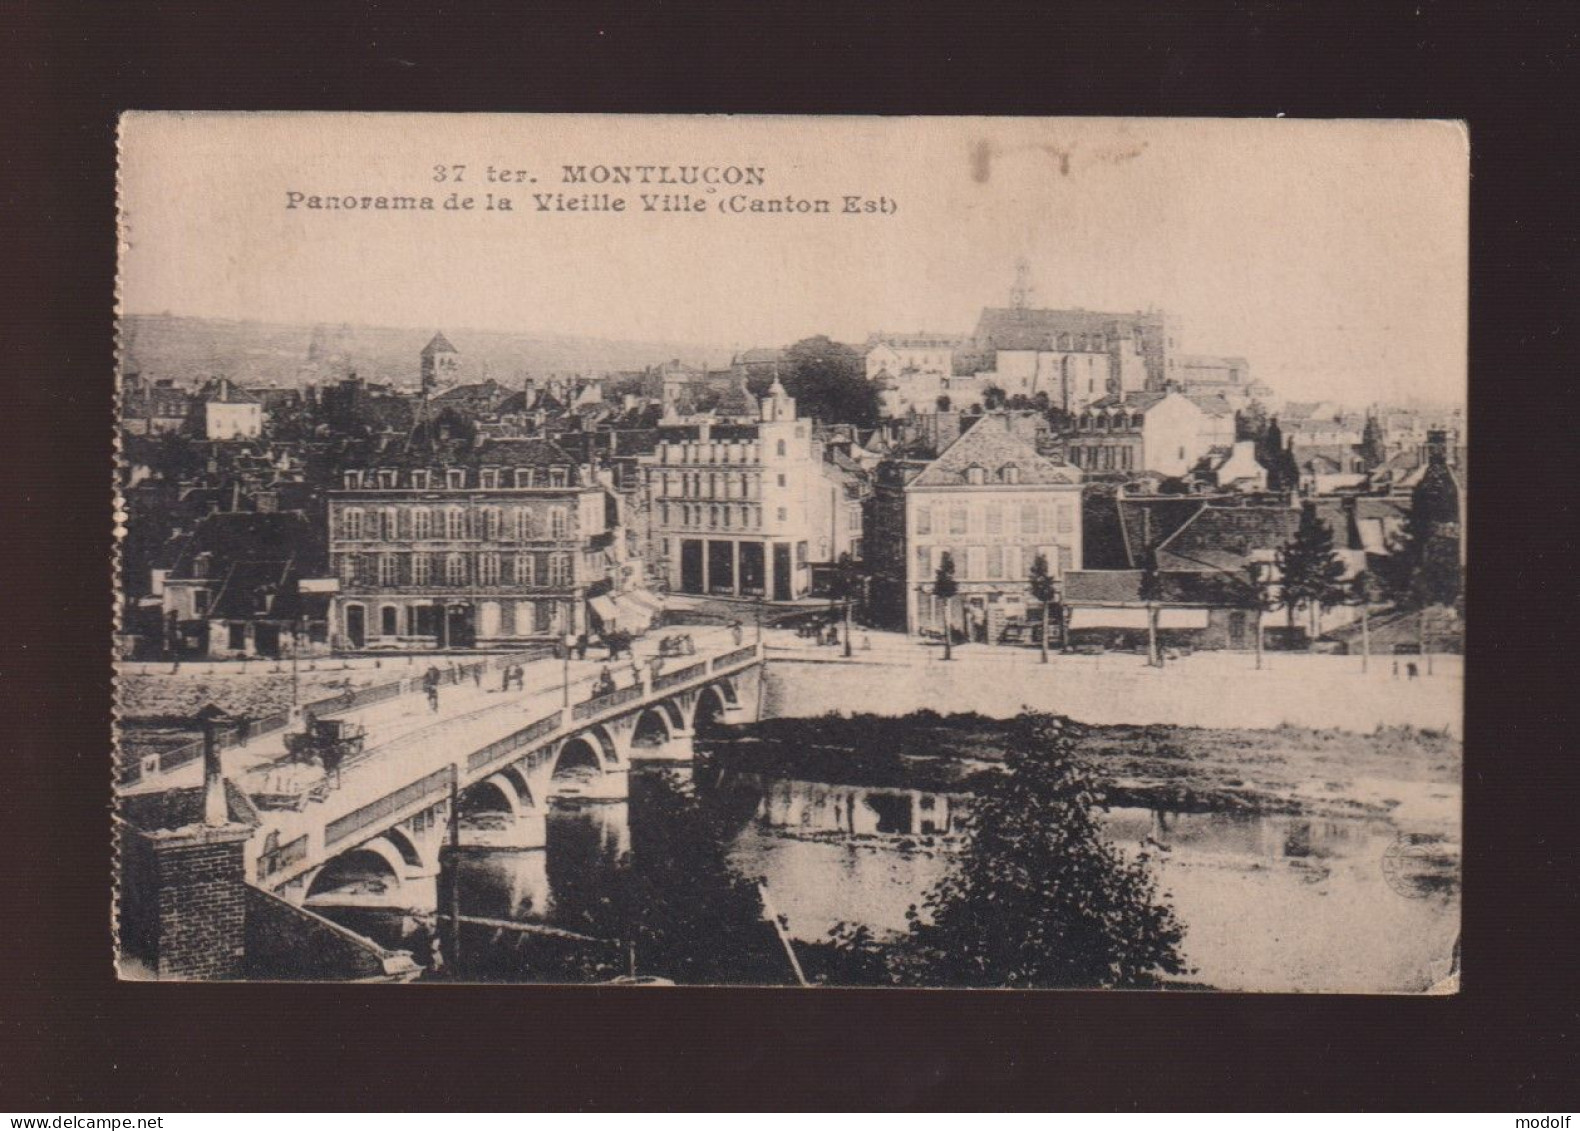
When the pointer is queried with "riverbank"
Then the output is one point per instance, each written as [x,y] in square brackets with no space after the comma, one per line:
[1399,772]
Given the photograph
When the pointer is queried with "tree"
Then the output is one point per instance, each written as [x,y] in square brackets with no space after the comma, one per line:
[1043,590]
[993,397]
[684,912]
[1038,896]
[847,586]
[944,589]
[829,382]
[1310,572]
[1152,593]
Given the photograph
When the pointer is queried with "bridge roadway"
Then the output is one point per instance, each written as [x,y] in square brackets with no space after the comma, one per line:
[509,752]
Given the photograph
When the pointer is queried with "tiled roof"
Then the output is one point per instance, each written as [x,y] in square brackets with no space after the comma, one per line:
[531,452]
[1184,587]
[1225,538]
[1158,517]
[1007,328]
[244,583]
[991,445]
[223,390]
[1210,403]
[438,344]
[231,537]
[171,809]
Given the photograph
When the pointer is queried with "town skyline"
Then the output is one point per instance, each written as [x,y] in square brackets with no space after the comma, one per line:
[1273,241]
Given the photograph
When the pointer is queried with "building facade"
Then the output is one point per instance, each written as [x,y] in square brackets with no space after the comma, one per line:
[497,545]
[1166,433]
[230,412]
[746,511]
[990,502]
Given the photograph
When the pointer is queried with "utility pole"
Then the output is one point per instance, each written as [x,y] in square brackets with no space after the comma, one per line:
[565,682]
[454,893]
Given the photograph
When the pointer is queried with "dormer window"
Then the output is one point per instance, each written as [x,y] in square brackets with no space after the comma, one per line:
[353,480]
[490,477]
[419,479]
[975,474]
[387,477]
[1009,473]
[455,478]
[556,477]
[523,477]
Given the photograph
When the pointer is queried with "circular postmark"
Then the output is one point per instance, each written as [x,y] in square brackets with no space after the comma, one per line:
[1421,865]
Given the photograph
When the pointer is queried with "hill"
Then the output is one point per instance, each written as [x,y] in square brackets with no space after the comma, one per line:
[191,350]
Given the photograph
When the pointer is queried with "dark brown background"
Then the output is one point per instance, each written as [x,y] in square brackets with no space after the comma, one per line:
[73,1039]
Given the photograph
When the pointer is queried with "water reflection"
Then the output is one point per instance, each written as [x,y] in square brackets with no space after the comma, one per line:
[1270,902]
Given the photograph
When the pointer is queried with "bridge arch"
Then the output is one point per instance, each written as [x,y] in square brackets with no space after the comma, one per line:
[579,754]
[407,847]
[372,868]
[654,727]
[494,794]
[709,713]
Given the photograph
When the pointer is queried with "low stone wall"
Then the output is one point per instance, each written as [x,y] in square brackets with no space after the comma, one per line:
[1205,690]
[290,943]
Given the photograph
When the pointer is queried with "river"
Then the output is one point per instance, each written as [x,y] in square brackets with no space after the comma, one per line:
[1269,902]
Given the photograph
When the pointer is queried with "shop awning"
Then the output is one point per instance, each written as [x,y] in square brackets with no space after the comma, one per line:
[605,608]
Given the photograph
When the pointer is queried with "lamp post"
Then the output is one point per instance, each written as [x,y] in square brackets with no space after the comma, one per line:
[565,682]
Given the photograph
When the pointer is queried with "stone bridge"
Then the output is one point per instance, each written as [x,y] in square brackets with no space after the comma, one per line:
[386,821]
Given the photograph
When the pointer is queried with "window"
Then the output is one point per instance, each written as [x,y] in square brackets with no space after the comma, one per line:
[455,524]
[421,523]
[976,564]
[525,573]
[994,519]
[1066,516]
[455,569]
[725,516]
[924,520]
[1009,473]
[387,477]
[957,520]
[353,480]
[200,597]
[780,479]
[1028,518]
[995,563]
[492,522]
[455,478]
[238,636]
[784,514]
[523,477]
[557,524]
[419,479]
[800,553]
[780,448]
[853,520]
[924,561]
[1014,565]
[387,569]
[1066,560]
[1045,518]
[488,569]
[713,517]
[746,516]
[523,524]
[348,575]
[421,568]
[351,523]
[559,569]
[976,474]
[556,477]
[391,524]
[389,621]
[489,477]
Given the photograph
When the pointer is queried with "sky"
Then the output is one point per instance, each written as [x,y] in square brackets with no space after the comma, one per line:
[1332,255]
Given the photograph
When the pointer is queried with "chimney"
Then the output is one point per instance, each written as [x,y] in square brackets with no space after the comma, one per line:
[215,811]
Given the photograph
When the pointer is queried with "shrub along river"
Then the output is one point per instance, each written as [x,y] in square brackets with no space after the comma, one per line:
[1296,860]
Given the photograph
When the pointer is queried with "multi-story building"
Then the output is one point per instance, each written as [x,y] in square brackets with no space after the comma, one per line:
[747,510]
[229,411]
[1165,433]
[993,504]
[486,546]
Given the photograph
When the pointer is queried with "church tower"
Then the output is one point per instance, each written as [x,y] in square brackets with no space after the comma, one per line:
[778,406]
[441,363]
